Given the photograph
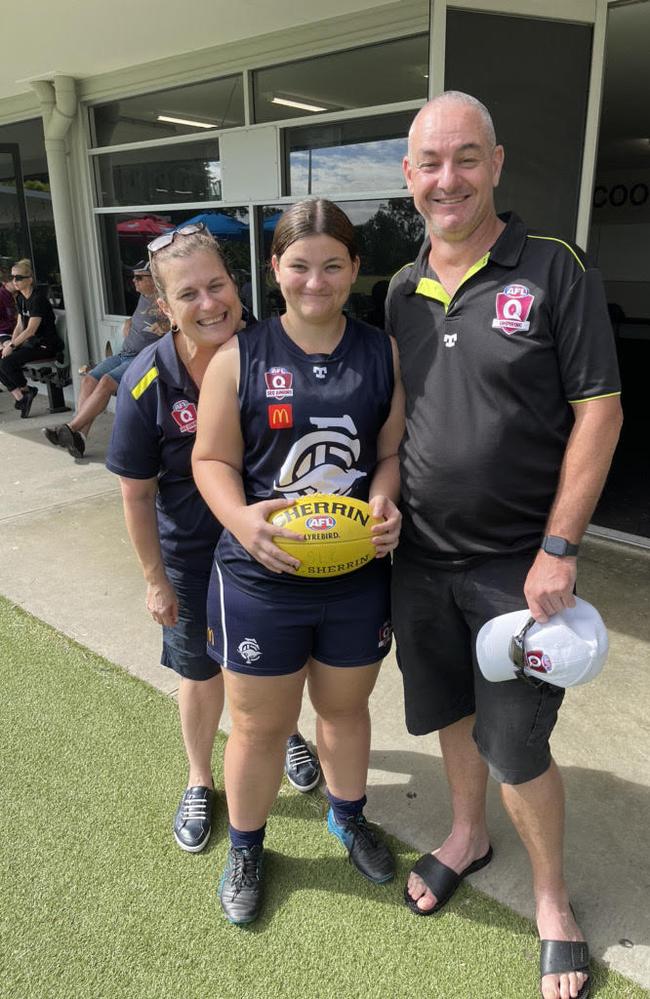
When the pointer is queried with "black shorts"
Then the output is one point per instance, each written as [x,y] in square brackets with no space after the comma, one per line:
[184,645]
[437,614]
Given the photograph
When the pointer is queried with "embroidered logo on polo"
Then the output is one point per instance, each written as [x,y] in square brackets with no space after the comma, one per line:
[513,307]
[450,339]
[279,383]
[323,460]
[184,415]
[320,370]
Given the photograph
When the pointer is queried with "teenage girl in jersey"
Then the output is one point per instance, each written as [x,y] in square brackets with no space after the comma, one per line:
[337,382]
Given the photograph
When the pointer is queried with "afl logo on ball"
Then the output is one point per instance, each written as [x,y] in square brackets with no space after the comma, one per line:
[322,523]
[184,414]
[513,307]
[279,383]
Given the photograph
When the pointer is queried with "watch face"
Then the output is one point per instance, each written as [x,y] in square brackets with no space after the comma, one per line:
[555,546]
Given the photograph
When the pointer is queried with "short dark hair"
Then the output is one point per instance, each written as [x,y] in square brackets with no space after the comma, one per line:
[314,217]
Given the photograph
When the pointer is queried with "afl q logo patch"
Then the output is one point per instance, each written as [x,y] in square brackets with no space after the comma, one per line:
[279,383]
[538,661]
[513,307]
[184,414]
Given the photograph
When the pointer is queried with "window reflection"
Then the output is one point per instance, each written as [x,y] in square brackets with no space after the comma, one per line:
[215,104]
[361,155]
[124,239]
[189,171]
[390,232]
[386,73]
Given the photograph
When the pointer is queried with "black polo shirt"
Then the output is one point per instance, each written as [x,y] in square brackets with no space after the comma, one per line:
[153,436]
[490,375]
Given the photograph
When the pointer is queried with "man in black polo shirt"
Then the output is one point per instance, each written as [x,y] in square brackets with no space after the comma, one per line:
[513,415]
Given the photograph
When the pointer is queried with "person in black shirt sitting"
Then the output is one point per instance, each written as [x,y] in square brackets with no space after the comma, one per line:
[34,337]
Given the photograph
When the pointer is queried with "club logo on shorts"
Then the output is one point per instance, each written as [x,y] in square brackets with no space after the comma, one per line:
[538,661]
[385,633]
[280,416]
[184,415]
[513,308]
[249,650]
[279,383]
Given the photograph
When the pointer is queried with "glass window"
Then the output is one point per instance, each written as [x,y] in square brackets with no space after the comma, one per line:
[390,233]
[190,171]
[539,116]
[28,230]
[215,104]
[361,155]
[365,77]
[124,238]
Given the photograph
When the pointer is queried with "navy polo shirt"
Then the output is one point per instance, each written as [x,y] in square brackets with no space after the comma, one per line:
[490,374]
[153,436]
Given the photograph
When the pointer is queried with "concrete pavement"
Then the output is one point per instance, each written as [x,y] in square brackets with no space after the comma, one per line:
[69,562]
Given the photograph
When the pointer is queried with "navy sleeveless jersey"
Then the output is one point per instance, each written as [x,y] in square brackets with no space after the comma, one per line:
[310,424]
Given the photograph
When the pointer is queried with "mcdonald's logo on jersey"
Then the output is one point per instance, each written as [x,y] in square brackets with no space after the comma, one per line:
[281,416]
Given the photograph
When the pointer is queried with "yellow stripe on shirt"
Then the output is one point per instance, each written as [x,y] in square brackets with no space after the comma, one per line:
[144,382]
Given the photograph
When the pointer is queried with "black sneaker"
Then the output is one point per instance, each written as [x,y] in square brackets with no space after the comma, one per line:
[193,819]
[301,765]
[72,440]
[25,404]
[240,888]
[52,435]
[370,856]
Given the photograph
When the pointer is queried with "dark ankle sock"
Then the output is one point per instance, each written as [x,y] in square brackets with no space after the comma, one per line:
[344,810]
[254,837]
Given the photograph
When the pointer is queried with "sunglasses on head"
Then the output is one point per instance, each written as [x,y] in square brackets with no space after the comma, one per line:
[167,238]
[517,654]
[20,277]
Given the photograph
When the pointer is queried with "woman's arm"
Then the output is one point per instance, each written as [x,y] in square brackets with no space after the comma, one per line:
[11,344]
[217,462]
[20,336]
[139,499]
[385,485]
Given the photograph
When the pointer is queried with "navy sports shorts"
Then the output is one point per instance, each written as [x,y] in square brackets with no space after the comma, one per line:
[184,644]
[261,636]
[437,615]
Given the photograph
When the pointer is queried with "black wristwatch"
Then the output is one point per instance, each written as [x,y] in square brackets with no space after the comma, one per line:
[560,547]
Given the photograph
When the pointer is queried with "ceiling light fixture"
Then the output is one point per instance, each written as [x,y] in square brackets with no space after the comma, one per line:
[186,121]
[297,104]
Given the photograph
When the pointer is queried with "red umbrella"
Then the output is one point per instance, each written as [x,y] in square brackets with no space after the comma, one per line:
[148,225]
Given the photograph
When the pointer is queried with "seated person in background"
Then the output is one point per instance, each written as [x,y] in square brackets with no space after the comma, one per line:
[145,326]
[34,337]
[7,307]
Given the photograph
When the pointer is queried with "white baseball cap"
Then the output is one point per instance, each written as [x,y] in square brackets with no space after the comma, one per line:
[571,648]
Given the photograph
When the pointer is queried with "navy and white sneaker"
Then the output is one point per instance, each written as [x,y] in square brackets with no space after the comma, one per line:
[366,851]
[193,819]
[301,765]
[240,888]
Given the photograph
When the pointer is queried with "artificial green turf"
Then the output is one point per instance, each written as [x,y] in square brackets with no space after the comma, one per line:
[97,901]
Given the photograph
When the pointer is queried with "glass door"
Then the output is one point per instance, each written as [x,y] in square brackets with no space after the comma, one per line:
[15,240]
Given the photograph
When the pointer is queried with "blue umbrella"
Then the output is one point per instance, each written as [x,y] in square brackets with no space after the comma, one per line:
[221,226]
[271,222]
